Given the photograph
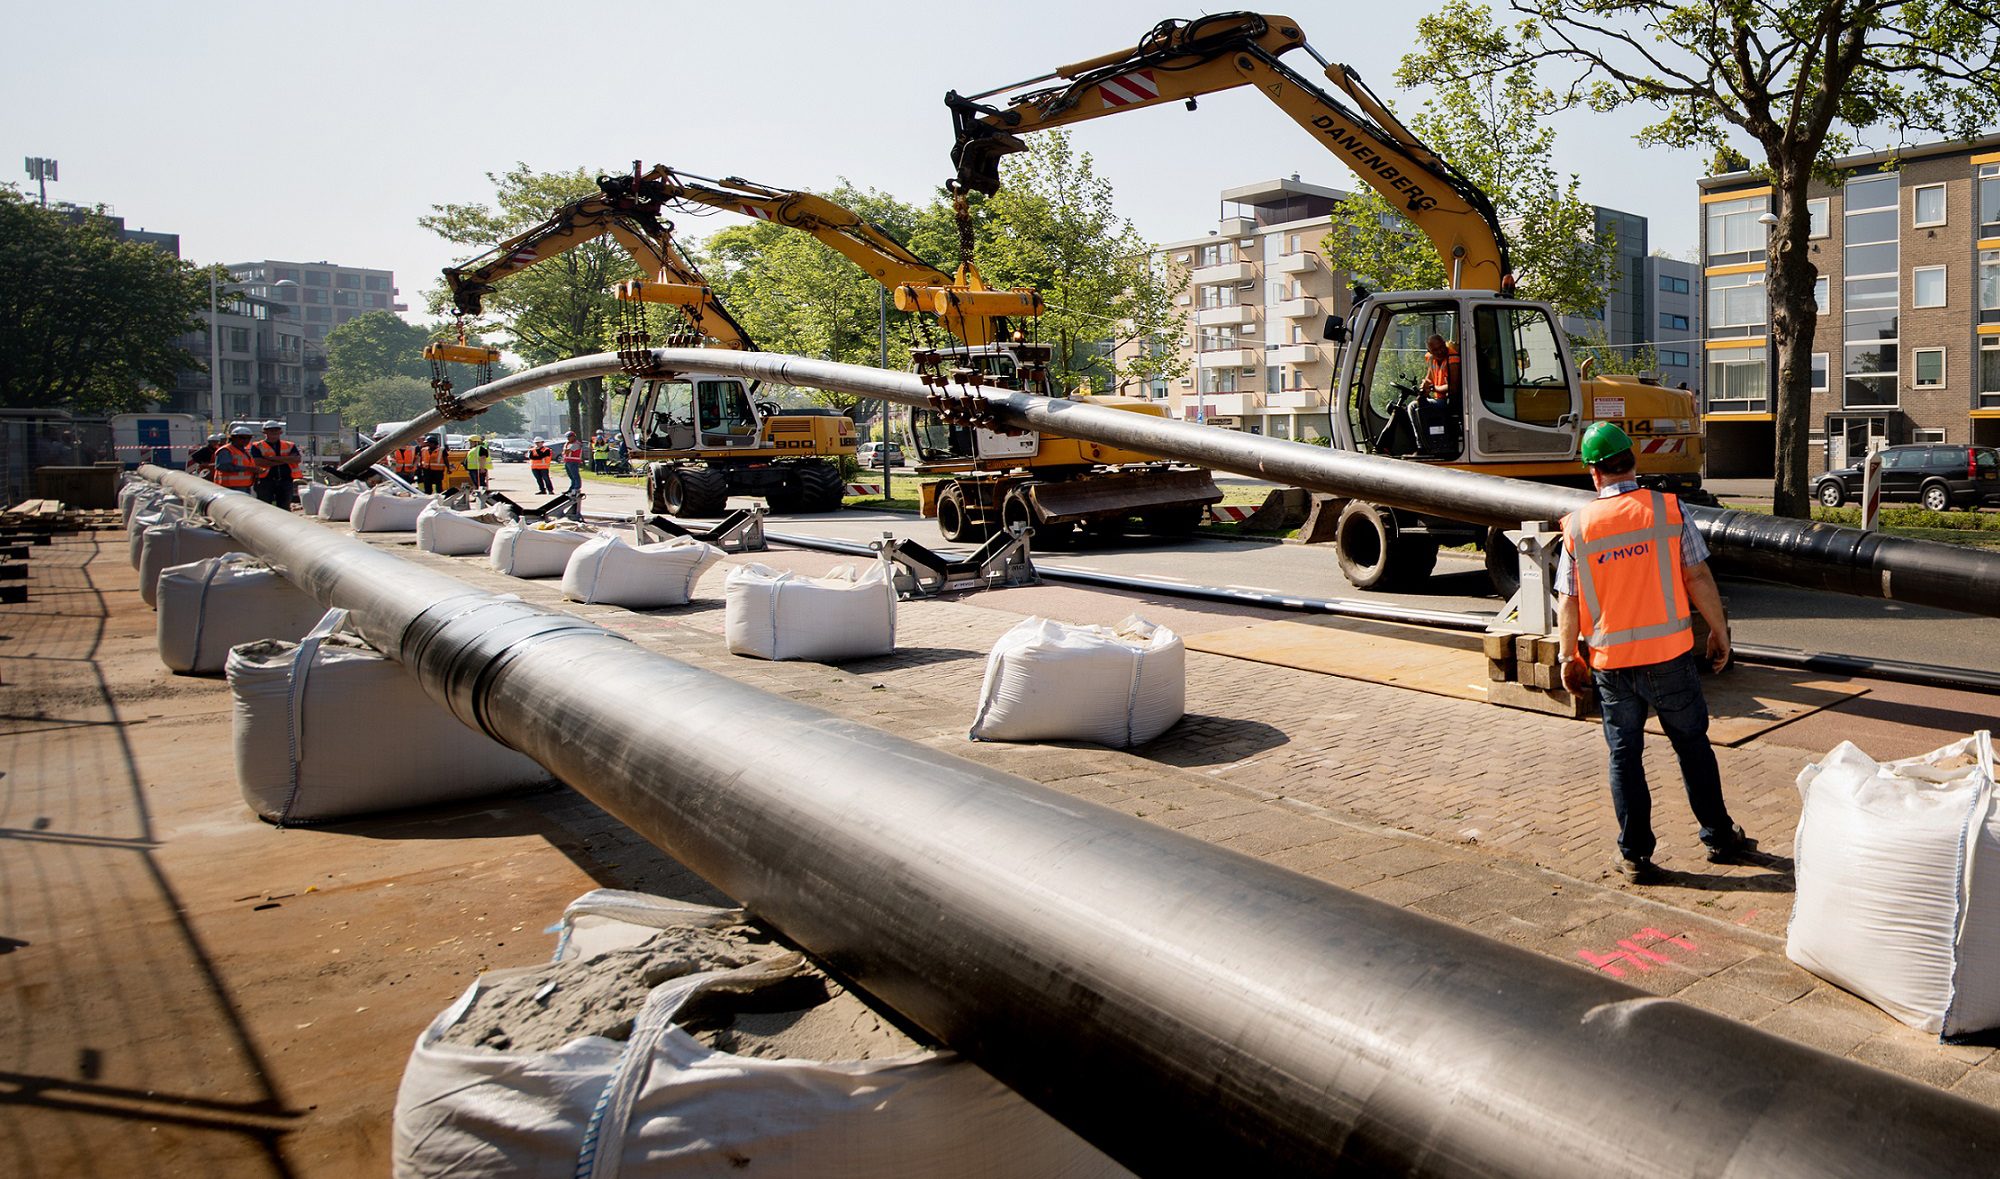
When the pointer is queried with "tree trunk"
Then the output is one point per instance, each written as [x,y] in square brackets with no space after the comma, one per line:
[576,409]
[1789,276]
[593,402]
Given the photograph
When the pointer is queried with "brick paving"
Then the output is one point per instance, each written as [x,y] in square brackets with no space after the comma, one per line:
[1489,818]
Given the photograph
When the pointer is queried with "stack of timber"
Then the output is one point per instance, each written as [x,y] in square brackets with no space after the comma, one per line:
[1524,671]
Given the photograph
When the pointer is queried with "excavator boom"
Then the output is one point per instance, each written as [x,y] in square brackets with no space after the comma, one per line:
[1180,60]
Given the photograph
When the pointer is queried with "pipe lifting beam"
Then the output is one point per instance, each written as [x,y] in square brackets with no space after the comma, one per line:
[1184,1007]
[1812,555]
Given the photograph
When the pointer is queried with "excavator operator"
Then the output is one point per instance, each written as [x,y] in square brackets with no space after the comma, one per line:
[1436,414]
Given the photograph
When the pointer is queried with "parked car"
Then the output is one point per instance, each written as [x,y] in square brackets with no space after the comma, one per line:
[869,455]
[512,450]
[1937,476]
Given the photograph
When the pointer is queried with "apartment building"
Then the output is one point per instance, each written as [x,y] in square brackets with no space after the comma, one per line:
[323,294]
[1673,288]
[1256,307]
[268,365]
[1907,341]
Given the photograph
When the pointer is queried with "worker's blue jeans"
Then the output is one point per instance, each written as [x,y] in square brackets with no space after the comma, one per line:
[1673,690]
[575,472]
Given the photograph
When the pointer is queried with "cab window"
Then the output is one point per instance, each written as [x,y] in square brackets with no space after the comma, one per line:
[671,426]
[1518,367]
[1397,366]
[725,410]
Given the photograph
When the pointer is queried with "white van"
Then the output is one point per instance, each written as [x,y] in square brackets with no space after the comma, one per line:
[163,439]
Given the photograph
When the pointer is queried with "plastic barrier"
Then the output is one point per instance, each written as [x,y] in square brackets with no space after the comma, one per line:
[663,1104]
[527,551]
[454,534]
[381,510]
[328,728]
[1049,681]
[772,614]
[173,544]
[1898,869]
[609,571]
[207,607]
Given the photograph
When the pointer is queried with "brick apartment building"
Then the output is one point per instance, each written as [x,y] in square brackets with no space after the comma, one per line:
[1907,343]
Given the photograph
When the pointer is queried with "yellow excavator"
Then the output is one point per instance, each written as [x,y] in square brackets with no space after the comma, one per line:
[700,437]
[1520,406]
[980,478]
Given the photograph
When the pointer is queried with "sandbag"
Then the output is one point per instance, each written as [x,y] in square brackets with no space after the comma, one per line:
[383,509]
[662,1104]
[452,533]
[309,497]
[329,728]
[527,550]
[337,503]
[1050,681]
[177,544]
[207,607]
[608,570]
[149,516]
[775,614]
[1898,883]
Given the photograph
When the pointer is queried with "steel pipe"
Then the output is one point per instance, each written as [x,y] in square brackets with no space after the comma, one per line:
[1182,1006]
[1816,556]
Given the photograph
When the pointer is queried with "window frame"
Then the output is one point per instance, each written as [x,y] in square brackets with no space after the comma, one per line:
[1916,199]
[1672,322]
[1712,325]
[1823,294]
[1824,206]
[1944,287]
[1715,379]
[1916,368]
[1823,362]
[1719,217]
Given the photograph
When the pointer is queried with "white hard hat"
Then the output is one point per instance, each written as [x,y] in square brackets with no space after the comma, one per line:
[274,424]
[240,428]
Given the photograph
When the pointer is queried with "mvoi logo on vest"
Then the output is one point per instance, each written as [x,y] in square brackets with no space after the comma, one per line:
[1630,550]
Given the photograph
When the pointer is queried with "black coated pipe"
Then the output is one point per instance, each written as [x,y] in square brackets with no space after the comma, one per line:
[1817,556]
[1186,1008]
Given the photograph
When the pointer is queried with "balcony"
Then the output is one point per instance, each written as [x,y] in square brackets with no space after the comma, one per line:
[1230,358]
[1304,308]
[1297,354]
[1240,314]
[1227,272]
[1296,399]
[1229,405]
[1238,226]
[1303,262]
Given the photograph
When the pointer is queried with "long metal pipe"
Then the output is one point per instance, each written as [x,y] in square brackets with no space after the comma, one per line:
[1816,556]
[1184,1007]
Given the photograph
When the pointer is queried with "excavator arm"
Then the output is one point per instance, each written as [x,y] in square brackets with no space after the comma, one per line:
[966,305]
[1180,60]
[634,226]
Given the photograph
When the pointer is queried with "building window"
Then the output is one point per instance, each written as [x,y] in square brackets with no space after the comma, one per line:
[1674,323]
[1822,293]
[1929,434]
[1869,245]
[1221,295]
[1735,305]
[351,281]
[1927,286]
[1672,359]
[1218,380]
[1733,232]
[1217,254]
[316,278]
[1869,361]
[345,298]
[1989,372]
[239,372]
[1736,379]
[1672,285]
[239,339]
[1274,379]
[1819,369]
[315,296]
[1819,217]
[1989,200]
[318,315]
[1927,204]
[1929,366]
[378,282]
[378,300]
[286,272]
[1989,286]
[1215,339]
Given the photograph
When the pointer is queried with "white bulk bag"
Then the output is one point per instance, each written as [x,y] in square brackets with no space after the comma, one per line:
[454,534]
[328,728]
[776,614]
[382,509]
[309,497]
[1049,681]
[610,571]
[177,544]
[134,495]
[523,550]
[664,1105]
[209,606]
[1898,893]
[337,503]
[151,516]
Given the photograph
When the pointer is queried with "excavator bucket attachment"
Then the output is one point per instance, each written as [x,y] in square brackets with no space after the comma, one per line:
[1126,493]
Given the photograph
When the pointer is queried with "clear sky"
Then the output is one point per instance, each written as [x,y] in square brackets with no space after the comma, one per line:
[310,131]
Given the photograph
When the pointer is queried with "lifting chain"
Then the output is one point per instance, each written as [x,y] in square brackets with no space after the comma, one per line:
[448,405]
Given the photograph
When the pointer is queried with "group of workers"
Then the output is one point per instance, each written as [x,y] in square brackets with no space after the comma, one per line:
[267,467]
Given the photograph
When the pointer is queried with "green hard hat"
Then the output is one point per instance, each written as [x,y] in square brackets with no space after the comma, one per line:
[1603,440]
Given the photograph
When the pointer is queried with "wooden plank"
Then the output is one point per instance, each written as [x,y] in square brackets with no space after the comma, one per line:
[1558,702]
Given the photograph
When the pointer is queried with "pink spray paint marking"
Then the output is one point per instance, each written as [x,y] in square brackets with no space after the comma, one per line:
[1639,957]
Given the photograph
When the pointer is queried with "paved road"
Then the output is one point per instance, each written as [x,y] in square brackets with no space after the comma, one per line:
[1766,614]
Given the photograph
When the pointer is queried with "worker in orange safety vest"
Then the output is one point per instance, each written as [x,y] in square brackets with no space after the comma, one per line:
[279,462]
[539,457]
[431,463]
[1632,573]
[235,468]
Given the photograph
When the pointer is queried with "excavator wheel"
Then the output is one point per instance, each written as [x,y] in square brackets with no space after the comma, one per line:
[1180,521]
[821,489]
[954,522]
[694,491]
[1503,564]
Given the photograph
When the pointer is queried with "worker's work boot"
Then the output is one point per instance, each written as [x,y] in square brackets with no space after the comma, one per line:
[1639,871]
[1733,848]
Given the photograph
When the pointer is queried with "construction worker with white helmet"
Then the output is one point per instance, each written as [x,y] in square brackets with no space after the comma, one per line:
[279,462]
[539,457]
[1632,575]
[234,466]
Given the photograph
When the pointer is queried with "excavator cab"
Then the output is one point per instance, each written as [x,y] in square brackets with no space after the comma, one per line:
[1000,366]
[1510,396]
[689,412]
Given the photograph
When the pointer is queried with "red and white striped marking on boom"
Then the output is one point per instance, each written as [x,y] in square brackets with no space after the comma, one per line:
[754,211]
[1126,89]
[1663,446]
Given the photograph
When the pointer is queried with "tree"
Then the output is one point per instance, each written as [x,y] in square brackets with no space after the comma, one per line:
[89,322]
[391,397]
[1801,81]
[366,352]
[559,307]
[1053,226]
[1492,129]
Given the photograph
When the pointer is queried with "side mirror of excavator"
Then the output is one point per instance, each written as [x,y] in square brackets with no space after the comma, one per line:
[1335,330]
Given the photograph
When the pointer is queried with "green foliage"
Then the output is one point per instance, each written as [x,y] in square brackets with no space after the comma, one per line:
[1606,358]
[369,347]
[1492,129]
[88,322]
[389,397]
